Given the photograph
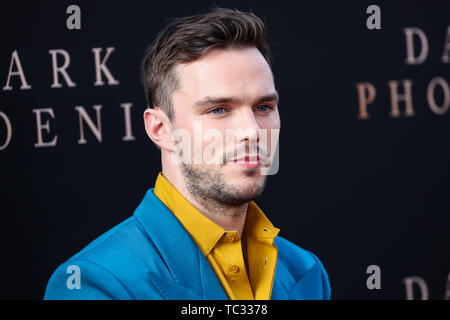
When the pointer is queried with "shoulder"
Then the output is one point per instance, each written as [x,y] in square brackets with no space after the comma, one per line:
[296,265]
[120,241]
[108,266]
[294,256]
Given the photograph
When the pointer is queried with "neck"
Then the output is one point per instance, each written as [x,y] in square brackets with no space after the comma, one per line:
[230,218]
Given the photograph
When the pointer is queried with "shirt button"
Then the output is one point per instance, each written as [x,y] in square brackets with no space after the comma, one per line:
[230,238]
[235,269]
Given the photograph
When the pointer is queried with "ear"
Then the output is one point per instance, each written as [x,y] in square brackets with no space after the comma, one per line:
[158,128]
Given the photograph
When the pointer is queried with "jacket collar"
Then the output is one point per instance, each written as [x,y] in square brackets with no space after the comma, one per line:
[192,276]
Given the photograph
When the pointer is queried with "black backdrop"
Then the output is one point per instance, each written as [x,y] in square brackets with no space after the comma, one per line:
[356,192]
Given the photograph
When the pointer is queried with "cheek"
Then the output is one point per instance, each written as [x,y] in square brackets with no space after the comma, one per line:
[206,142]
[214,145]
[271,122]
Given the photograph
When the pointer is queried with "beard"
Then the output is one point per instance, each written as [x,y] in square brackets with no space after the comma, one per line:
[210,188]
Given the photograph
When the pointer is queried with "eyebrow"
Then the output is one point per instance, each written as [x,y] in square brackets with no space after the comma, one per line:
[208,100]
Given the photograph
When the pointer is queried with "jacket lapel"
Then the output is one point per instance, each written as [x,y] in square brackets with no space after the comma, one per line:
[307,287]
[278,291]
[191,276]
[212,289]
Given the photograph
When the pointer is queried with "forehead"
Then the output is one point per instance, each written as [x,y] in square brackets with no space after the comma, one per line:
[242,73]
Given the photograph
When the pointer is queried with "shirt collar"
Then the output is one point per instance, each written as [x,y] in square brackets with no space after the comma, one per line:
[257,225]
[205,233]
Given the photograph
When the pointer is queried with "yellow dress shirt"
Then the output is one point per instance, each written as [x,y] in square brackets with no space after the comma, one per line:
[245,267]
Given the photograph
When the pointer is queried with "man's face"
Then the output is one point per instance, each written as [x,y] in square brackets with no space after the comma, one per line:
[228,131]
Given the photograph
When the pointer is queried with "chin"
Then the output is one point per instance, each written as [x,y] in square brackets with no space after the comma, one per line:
[251,186]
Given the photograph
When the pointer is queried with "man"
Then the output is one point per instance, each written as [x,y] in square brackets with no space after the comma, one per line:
[198,234]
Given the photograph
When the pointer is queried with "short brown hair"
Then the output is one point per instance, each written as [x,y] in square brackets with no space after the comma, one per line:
[186,39]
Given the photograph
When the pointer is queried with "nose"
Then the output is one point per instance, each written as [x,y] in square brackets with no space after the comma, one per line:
[246,127]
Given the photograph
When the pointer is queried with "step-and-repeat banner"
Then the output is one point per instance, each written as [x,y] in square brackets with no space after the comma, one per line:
[364,154]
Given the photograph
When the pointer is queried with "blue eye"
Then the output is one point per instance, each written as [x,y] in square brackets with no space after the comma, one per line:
[218,110]
[264,109]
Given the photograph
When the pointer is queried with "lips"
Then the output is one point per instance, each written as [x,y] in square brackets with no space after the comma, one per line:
[248,161]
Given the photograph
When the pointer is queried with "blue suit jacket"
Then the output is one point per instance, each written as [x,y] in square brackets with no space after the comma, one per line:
[151,256]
